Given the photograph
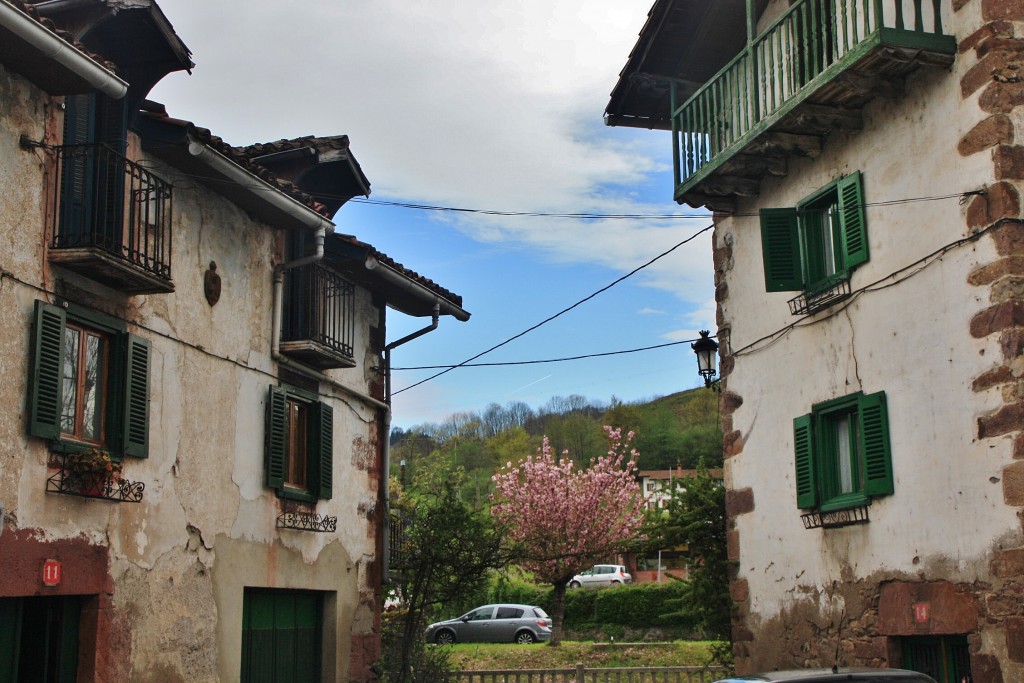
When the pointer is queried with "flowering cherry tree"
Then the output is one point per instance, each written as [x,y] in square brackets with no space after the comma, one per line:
[566,519]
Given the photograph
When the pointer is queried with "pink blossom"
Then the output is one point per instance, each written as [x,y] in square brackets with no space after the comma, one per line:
[568,518]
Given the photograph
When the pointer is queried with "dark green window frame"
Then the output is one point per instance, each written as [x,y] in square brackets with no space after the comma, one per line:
[825,479]
[318,442]
[793,249]
[126,399]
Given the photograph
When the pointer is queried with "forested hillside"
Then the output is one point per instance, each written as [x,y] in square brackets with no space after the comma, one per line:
[675,430]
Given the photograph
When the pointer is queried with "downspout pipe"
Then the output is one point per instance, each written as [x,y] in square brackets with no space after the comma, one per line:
[53,47]
[386,466]
[277,323]
[304,215]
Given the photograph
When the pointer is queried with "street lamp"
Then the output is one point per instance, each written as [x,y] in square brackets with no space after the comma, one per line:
[706,350]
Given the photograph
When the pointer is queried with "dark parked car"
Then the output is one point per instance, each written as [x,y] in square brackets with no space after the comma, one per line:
[837,676]
[521,624]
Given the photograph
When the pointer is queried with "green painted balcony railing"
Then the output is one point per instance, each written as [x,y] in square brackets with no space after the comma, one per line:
[806,48]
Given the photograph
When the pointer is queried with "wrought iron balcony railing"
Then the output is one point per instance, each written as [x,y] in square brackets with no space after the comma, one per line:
[819,298]
[836,518]
[396,543]
[319,317]
[113,221]
[307,521]
[94,485]
[808,57]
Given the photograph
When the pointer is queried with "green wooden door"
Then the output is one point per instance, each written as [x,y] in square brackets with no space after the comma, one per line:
[281,636]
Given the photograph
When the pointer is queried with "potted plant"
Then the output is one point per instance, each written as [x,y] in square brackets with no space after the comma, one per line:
[91,469]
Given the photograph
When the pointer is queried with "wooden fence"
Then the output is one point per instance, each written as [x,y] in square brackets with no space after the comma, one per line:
[582,674]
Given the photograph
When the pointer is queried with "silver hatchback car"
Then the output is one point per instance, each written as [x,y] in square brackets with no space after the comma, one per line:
[507,623]
[601,575]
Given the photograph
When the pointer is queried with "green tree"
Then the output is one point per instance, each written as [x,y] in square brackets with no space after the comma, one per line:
[446,549]
[694,516]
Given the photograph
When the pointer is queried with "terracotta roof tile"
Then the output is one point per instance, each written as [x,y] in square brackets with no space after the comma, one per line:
[411,274]
[30,10]
[241,156]
[158,112]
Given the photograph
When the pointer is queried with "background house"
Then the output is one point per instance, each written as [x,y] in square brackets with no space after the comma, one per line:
[187,307]
[656,486]
[862,164]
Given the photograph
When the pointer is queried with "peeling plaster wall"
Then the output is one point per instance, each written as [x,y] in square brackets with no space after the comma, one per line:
[949,519]
[177,563]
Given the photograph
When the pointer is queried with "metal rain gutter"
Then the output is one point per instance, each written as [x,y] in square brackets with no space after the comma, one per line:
[53,47]
[236,174]
[416,289]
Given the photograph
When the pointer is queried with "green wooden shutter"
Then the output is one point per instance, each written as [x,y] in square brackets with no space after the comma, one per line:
[803,448]
[77,170]
[135,416]
[780,245]
[277,437]
[111,125]
[875,447]
[323,449]
[854,221]
[46,383]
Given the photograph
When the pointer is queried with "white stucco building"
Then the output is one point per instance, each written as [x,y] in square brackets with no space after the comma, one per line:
[188,308]
[863,165]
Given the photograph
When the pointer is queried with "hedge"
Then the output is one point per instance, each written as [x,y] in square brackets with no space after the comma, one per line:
[638,606]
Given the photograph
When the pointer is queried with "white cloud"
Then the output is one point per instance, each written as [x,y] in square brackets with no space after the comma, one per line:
[482,105]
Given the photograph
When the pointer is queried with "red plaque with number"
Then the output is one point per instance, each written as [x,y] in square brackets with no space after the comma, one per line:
[51,573]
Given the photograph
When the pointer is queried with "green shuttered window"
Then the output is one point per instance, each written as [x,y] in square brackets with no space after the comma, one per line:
[89,382]
[817,243]
[299,460]
[842,453]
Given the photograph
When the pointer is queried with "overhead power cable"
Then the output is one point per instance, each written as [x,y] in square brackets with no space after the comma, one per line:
[538,214]
[550,360]
[633,216]
[562,312]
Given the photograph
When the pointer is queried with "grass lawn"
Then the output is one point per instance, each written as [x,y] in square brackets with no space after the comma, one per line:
[473,656]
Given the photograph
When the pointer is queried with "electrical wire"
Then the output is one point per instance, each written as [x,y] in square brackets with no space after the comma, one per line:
[636,216]
[560,313]
[908,271]
[770,338]
[550,360]
[533,214]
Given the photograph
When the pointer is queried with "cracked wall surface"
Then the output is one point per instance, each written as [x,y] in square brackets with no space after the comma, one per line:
[939,329]
[164,578]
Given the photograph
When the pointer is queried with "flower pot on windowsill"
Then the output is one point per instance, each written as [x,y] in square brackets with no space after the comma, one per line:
[92,471]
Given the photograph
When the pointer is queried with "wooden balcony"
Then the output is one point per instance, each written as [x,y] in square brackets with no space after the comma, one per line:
[808,74]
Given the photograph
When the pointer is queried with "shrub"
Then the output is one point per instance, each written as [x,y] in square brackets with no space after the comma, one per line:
[638,606]
[641,605]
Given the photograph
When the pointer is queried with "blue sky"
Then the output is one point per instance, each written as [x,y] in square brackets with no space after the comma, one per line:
[491,107]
